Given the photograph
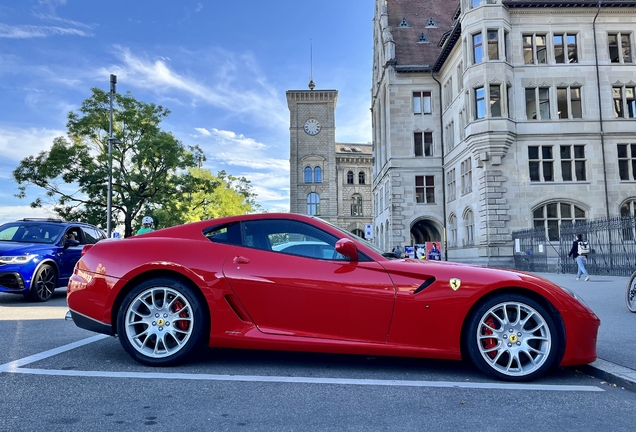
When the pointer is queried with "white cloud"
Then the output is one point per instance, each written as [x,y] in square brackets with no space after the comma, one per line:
[231,90]
[29,31]
[203,131]
[198,8]
[16,144]
[13,213]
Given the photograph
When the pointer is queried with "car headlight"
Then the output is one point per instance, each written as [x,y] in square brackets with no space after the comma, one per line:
[18,259]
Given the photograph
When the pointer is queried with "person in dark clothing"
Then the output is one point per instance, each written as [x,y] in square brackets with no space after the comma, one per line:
[581,259]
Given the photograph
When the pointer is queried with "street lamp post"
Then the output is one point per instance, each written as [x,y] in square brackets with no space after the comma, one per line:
[109,210]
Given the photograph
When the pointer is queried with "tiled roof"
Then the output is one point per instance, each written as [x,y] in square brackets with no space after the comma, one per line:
[408,52]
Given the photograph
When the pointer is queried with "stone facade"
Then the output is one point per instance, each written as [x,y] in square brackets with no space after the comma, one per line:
[518,139]
[328,179]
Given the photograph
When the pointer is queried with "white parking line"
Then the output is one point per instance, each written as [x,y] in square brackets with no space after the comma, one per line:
[15,367]
[11,366]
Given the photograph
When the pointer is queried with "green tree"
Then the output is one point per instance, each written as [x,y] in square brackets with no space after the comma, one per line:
[150,166]
[230,196]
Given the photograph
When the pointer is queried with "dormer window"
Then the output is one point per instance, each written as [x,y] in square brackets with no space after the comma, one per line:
[404,24]
[423,38]
[431,23]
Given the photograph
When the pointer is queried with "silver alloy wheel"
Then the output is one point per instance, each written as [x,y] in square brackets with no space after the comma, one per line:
[159,322]
[45,282]
[514,339]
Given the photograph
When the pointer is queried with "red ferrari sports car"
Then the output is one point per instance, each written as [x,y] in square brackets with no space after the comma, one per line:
[294,282]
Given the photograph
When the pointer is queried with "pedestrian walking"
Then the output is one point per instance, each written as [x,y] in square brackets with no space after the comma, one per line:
[398,251]
[580,250]
[147,225]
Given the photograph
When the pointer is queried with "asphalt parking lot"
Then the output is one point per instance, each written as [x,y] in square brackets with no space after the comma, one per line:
[55,376]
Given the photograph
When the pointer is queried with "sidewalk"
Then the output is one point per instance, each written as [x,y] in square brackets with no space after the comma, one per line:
[616,345]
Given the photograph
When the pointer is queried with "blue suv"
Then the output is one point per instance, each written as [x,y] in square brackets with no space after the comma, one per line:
[38,255]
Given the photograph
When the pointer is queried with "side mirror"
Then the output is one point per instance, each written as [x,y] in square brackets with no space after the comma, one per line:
[346,247]
[69,243]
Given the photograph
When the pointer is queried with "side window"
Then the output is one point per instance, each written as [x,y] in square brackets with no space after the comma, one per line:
[76,233]
[290,237]
[92,235]
[225,234]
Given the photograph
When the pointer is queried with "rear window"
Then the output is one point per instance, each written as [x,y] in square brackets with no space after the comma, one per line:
[225,234]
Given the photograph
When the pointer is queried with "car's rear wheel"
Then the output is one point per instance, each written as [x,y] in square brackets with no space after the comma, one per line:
[43,284]
[160,322]
[513,338]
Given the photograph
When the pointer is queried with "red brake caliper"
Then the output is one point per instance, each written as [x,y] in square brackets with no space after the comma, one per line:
[489,343]
[183,325]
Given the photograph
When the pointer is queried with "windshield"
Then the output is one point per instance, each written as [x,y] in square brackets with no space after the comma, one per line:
[361,240]
[30,232]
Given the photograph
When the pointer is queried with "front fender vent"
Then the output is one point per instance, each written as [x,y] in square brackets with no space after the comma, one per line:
[424,285]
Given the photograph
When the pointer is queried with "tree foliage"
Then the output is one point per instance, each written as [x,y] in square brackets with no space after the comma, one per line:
[151,169]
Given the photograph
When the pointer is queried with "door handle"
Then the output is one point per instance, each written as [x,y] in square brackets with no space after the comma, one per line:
[240,260]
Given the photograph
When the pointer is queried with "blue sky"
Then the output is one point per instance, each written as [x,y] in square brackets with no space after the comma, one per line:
[221,67]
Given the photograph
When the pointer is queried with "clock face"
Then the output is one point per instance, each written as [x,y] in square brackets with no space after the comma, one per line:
[312,127]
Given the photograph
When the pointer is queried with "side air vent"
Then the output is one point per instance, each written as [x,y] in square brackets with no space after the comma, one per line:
[238,308]
[425,285]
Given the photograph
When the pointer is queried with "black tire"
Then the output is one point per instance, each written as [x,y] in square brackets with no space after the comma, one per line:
[525,341]
[161,322]
[43,284]
[630,293]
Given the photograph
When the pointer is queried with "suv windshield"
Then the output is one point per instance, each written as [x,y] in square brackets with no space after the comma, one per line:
[30,232]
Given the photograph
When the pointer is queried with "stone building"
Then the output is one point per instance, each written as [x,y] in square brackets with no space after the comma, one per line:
[327,179]
[491,116]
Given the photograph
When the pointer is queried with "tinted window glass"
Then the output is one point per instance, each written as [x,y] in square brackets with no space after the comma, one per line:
[226,234]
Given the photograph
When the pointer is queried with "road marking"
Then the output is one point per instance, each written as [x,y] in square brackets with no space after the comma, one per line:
[11,366]
[15,367]
[307,380]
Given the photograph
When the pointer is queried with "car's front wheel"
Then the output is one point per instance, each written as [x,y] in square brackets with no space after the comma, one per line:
[160,322]
[513,338]
[43,284]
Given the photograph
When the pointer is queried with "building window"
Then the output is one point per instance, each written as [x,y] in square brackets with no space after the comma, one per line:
[307,174]
[627,161]
[450,136]
[493,44]
[356,205]
[474,3]
[361,177]
[506,42]
[350,177]
[313,204]
[480,103]
[541,163]
[452,228]
[495,100]
[451,186]
[624,102]
[469,226]
[317,175]
[569,102]
[423,143]
[478,51]
[421,102]
[538,103]
[460,76]
[551,216]
[565,50]
[573,162]
[467,176]
[619,48]
[534,49]
[425,189]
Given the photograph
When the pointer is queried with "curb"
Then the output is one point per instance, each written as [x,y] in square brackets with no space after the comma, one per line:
[613,373]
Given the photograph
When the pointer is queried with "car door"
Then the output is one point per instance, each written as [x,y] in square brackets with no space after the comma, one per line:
[310,296]
[70,255]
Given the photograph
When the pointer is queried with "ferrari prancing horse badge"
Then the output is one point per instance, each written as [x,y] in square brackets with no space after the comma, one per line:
[455,284]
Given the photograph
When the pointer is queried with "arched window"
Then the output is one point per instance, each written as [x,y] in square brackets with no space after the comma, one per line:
[317,175]
[307,174]
[452,228]
[469,226]
[550,216]
[358,232]
[361,177]
[350,177]
[313,204]
[356,205]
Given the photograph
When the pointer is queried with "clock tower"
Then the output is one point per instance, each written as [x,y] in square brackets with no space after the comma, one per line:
[312,134]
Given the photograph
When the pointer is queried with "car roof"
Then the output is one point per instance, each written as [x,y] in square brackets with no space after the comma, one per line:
[53,221]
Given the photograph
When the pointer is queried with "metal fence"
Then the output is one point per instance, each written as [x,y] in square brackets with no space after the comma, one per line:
[612,242]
